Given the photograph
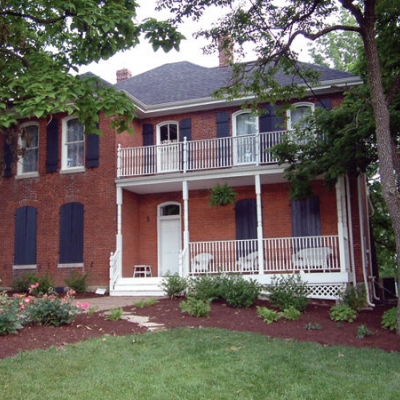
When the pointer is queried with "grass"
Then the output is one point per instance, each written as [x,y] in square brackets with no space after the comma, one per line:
[200,364]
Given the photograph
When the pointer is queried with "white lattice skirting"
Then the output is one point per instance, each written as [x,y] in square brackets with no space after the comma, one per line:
[327,292]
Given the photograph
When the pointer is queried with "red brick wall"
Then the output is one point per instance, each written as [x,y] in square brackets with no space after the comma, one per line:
[94,188]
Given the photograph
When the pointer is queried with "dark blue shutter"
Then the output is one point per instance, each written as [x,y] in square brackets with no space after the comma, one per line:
[325,103]
[52,146]
[246,225]
[185,129]
[92,150]
[148,134]
[269,122]
[224,151]
[71,233]
[306,218]
[25,236]
[8,159]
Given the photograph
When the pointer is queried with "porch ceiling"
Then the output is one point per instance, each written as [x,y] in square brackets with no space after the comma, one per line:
[162,183]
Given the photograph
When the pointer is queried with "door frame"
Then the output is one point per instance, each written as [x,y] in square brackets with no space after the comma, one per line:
[160,219]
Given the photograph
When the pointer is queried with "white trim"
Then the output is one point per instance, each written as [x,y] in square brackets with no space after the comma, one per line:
[29,174]
[71,265]
[23,267]
[64,167]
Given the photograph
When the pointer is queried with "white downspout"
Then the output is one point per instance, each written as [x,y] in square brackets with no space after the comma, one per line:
[362,239]
[185,195]
[349,223]
[259,226]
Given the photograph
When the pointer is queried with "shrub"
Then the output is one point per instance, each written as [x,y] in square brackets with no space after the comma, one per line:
[196,307]
[24,282]
[286,291]
[173,285]
[206,287]
[51,310]
[10,320]
[354,296]
[291,313]
[145,303]
[239,292]
[115,314]
[267,314]
[312,327]
[342,312]
[389,319]
[363,331]
[77,281]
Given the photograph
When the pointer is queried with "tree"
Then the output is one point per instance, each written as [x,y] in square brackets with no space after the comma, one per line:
[272,29]
[42,41]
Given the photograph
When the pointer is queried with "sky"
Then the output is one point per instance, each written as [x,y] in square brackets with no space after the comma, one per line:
[143,58]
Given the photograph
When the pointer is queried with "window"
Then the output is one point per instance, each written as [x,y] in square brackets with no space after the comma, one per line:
[245,127]
[168,151]
[168,133]
[29,144]
[71,233]
[298,114]
[73,150]
[25,236]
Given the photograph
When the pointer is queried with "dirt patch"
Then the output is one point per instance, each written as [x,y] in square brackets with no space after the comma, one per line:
[168,313]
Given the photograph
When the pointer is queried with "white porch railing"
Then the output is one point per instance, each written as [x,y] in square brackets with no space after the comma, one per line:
[115,267]
[282,255]
[198,155]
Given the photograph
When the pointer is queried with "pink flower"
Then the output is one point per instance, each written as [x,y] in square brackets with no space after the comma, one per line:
[22,307]
[27,299]
[83,306]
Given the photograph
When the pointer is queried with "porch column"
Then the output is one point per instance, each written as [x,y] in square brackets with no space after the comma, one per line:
[119,218]
[185,195]
[259,226]
[342,225]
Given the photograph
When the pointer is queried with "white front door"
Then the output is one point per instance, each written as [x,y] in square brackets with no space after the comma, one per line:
[168,147]
[169,238]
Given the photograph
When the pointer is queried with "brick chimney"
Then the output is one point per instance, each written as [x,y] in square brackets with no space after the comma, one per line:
[225,49]
[123,75]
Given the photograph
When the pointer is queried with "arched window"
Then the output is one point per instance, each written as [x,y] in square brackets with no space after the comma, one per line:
[298,113]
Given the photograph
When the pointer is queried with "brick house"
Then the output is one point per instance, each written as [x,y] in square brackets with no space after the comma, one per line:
[145,198]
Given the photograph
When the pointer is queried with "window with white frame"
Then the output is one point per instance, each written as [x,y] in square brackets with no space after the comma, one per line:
[245,127]
[297,115]
[29,145]
[73,144]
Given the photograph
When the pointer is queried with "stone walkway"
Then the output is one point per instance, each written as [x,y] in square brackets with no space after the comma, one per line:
[108,303]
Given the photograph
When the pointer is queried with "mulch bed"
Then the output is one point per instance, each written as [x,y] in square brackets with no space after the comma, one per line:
[167,312]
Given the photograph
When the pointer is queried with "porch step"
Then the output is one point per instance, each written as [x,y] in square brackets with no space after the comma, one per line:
[137,287]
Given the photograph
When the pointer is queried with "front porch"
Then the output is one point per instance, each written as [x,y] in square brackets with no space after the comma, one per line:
[320,260]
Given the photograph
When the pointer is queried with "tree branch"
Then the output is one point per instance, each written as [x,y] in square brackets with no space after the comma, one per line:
[36,19]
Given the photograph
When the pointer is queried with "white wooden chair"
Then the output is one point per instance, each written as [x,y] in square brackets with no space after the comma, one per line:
[312,258]
[201,262]
[248,263]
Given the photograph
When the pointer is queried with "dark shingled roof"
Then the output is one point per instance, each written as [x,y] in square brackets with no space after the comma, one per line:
[184,81]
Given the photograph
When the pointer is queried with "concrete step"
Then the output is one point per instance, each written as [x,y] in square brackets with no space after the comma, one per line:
[137,287]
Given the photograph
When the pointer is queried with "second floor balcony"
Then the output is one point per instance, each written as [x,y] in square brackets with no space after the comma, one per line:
[197,155]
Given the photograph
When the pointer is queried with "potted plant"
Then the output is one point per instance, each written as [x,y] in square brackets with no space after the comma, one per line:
[222,195]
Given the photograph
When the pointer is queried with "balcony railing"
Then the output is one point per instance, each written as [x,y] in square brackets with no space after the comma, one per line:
[198,155]
[282,255]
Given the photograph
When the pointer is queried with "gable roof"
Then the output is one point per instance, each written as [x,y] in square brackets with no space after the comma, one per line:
[184,85]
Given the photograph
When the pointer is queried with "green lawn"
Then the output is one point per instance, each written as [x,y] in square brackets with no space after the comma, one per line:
[200,364]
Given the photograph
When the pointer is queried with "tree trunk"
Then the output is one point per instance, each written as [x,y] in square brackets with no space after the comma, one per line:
[387,167]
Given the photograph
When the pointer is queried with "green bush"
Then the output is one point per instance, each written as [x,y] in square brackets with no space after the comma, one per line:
[145,303]
[288,291]
[115,314]
[363,331]
[23,283]
[354,296]
[196,307]
[389,319]
[312,327]
[267,314]
[291,313]
[239,292]
[10,320]
[77,281]
[173,285]
[342,312]
[50,310]
[205,287]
